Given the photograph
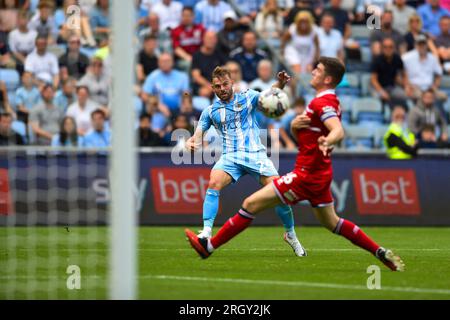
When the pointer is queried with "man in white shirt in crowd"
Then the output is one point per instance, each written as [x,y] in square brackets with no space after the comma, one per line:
[82,109]
[331,42]
[22,40]
[169,13]
[423,70]
[41,63]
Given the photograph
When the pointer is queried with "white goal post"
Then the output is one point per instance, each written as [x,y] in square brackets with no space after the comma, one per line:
[123,157]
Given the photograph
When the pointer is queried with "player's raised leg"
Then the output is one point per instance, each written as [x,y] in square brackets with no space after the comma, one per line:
[264,198]
[328,218]
[286,215]
[218,180]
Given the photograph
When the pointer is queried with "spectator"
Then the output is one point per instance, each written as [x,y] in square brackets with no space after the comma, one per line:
[230,36]
[203,63]
[431,13]
[168,84]
[100,136]
[300,44]
[4,99]
[27,96]
[99,18]
[442,43]
[98,82]
[265,78]
[236,75]
[386,31]
[65,29]
[427,113]
[341,18]
[298,108]
[269,23]
[210,12]
[401,13]
[82,109]
[43,64]
[146,136]
[162,35]
[9,10]
[148,58]
[187,109]
[300,5]
[331,42]
[248,56]
[174,138]
[415,29]
[250,8]
[66,95]
[9,137]
[45,117]
[158,114]
[187,38]
[169,13]
[68,134]
[73,63]
[43,21]
[388,80]
[6,61]
[399,140]
[428,140]
[22,41]
[423,70]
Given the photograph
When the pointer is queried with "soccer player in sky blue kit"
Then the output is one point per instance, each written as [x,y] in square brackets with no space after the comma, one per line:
[234,116]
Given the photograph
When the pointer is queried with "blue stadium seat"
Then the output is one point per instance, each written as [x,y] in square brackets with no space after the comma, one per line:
[365,83]
[379,136]
[11,79]
[368,110]
[346,108]
[358,138]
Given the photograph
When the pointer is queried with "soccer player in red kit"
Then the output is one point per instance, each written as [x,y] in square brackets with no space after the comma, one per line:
[317,131]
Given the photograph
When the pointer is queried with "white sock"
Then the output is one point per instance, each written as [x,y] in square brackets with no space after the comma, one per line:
[207,229]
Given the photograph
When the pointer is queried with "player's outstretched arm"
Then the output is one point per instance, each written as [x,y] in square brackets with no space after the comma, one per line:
[195,142]
[336,134]
[283,79]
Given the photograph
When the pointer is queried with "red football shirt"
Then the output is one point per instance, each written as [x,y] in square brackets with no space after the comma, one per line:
[324,106]
[190,39]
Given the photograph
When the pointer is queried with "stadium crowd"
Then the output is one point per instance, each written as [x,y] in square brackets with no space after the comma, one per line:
[56,69]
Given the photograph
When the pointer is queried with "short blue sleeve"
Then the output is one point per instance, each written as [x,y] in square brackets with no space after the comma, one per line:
[205,121]
[149,84]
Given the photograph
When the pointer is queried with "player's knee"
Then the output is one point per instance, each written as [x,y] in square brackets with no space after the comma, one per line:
[249,205]
[215,185]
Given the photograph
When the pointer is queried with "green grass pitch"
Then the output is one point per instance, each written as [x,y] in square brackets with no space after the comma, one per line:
[255,265]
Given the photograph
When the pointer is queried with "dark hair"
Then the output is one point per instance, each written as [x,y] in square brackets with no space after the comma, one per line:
[41,36]
[188,8]
[145,116]
[47,86]
[98,111]
[83,87]
[429,127]
[333,68]
[150,36]
[220,72]
[63,135]
[5,115]
[300,101]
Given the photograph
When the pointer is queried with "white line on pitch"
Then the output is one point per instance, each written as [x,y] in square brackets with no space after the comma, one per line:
[231,249]
[297,284]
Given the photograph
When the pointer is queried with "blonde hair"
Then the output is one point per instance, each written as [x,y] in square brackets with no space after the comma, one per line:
[411,18]
[305,15]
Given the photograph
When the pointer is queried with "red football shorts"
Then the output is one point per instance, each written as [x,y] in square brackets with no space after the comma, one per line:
[302,185]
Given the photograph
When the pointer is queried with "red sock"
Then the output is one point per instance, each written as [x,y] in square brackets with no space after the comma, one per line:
[353,233]
[232,228]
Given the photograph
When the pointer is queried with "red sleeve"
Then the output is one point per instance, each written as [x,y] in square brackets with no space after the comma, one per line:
[176,37]
[325,109]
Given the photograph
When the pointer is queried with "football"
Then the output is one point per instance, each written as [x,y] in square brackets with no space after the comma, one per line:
[273,102]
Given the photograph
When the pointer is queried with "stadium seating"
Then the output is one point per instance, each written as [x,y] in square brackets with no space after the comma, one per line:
[379,136]
[353,87]
[358,138]
[367,111]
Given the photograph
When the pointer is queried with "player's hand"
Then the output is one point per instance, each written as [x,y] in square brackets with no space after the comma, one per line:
[283,77]
[324,146]
[191,145]
[300,122]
